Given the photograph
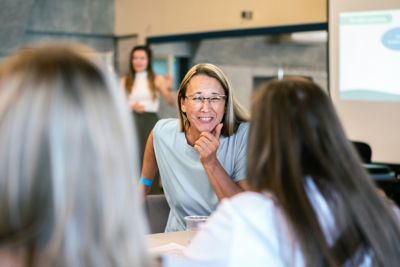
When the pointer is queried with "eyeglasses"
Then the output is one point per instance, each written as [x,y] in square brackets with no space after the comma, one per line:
[198,99]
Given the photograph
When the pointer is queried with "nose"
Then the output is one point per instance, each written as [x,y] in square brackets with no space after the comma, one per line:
[205,105]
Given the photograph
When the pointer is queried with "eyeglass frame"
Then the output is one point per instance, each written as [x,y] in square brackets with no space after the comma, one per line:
[203,99]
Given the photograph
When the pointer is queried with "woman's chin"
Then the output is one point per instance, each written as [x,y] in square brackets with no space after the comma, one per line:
[206,128]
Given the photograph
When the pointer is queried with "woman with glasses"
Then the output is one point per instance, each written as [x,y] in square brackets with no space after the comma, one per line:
[202,155]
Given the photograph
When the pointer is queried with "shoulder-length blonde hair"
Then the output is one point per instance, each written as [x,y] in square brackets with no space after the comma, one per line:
[234,112]
[67,192]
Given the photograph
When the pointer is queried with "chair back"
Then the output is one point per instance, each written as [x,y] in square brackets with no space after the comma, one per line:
[364,150]
[157,210]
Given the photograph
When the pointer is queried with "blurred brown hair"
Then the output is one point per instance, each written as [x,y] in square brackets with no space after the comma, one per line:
[296,135]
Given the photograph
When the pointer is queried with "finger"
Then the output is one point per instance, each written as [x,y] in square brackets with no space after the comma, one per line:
[197,148]
[203,151]
[215,135]
[202,142]
[207,135]
[208,147]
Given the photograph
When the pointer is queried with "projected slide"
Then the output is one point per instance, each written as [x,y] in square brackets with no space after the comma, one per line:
[369,45]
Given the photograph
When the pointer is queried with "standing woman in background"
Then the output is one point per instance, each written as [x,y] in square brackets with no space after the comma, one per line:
[143,89]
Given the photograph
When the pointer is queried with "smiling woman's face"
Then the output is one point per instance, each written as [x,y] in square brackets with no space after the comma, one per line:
[203,117]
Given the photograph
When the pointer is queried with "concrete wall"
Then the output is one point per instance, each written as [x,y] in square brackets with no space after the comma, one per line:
[24,22]
[87,21]
[14,16]
[73,16]
[29,21]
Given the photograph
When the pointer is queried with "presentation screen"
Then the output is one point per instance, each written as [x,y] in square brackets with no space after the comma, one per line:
[364,73]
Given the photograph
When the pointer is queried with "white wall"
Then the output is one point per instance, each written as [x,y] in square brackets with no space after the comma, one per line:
[166,17]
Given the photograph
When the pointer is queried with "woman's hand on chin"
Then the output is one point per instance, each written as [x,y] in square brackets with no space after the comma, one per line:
[207,145]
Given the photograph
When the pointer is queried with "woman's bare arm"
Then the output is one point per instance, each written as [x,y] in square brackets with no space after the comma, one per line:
[150,167]
[165,90]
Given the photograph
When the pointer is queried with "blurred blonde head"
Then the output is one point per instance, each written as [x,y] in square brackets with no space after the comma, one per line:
[67,191]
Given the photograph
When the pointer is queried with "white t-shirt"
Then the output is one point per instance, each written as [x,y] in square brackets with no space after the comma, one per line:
[184,180]
[243,231]
[141,93]
[251,230]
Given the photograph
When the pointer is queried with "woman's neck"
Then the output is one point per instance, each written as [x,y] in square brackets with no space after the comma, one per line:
[191,136]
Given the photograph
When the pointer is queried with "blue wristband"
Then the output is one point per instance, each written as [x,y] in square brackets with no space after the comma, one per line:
[145,181]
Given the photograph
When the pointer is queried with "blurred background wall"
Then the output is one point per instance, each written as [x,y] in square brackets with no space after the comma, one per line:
[113,26]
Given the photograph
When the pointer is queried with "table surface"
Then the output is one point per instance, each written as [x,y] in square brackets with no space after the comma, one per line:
[182,238]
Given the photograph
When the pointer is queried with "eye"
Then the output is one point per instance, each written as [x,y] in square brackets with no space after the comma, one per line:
[198,99]
[215,99]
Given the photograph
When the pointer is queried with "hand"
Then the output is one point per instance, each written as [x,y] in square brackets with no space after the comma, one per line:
[164,85]
[207,145]
[136,107]
[169,81]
